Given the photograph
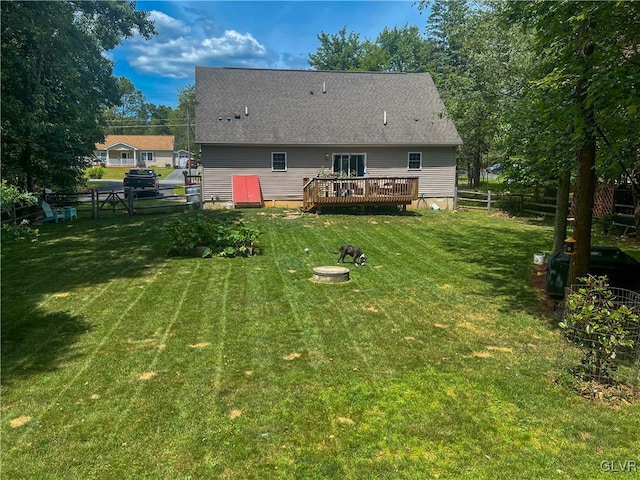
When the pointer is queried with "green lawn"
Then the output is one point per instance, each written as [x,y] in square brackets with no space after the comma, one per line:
[434,361]
[117,173]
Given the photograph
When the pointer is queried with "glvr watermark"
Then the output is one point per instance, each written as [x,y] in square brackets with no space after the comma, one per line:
[625,466]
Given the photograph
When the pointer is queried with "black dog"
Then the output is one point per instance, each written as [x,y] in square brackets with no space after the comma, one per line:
[354,252]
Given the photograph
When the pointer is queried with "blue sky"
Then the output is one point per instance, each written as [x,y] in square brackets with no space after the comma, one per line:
[261,34]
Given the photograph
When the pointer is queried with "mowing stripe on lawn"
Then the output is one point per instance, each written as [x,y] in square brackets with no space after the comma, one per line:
[75,307]
[133,399]
[308,328]
[85,366]
[220,345]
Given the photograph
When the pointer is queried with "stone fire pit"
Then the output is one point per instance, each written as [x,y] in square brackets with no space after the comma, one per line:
[330,274]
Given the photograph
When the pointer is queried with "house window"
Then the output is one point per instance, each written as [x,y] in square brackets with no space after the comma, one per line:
[278,162]
[349,164]
[102,155]
[147,156]
[415,161]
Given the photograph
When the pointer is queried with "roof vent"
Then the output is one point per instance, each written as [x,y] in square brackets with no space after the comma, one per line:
[324,87]
[246,111]
[236,115]
[384,117]
[310,92]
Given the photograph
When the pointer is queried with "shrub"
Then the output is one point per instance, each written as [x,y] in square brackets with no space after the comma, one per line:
[597,326]
[21,231]
[11,195]
[95,172]
[224,237]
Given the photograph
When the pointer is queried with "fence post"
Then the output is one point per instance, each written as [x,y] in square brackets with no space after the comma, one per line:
[521,203]
[455,198]
[488,202]
[130,202]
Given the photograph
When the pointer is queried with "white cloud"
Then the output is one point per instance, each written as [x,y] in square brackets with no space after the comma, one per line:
[234,44]
[168,26]
[177,49]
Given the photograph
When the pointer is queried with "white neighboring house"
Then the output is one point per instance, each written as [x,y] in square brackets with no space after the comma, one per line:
[136,150]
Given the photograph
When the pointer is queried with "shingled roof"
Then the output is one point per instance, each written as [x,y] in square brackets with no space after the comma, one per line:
[141,142]
[309,107]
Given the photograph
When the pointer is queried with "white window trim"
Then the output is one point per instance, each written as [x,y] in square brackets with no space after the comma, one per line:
[409,161]
[145,156]
[286,162]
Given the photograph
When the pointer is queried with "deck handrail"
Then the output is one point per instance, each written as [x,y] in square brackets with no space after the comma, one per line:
[362,191]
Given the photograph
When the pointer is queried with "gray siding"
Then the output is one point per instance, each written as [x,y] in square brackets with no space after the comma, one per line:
[437,177]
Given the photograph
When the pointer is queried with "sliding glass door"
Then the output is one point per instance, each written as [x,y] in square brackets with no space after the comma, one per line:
[349,164]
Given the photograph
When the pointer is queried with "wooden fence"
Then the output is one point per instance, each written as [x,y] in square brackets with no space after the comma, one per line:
[519,203]
[129,202]
[530,204]
[96,203]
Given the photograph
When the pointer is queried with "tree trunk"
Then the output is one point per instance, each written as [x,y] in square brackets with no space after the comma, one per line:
[635,194]
[636,214]
[28,182]
[586,181]
[584,210]
[562,210]
[477,167]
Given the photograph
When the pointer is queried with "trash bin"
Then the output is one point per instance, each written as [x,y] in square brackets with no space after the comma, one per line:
[193,193]
[622,270]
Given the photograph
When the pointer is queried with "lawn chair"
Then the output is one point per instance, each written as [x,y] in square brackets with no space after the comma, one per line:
[50,215]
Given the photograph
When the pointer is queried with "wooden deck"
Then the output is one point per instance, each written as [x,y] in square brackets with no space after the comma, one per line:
[321,193]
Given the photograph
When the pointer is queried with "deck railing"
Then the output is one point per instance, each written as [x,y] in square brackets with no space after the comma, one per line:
[358,191]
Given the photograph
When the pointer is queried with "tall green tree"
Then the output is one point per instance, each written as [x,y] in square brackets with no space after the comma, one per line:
[131,114]
[402,50]
[182,118]
[477,67]
[159,119]
[394,50]
[588,68]
[338,51]
[56,83]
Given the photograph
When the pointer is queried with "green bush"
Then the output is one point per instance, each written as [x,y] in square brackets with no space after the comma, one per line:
[597,326]
[21,231]
[224,237]
[95,172]
[11,195]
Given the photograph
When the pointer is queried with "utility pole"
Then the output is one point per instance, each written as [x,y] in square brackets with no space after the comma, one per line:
[188,142]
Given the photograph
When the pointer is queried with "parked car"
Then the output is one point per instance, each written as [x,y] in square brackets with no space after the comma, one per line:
[192,164]
[495,169]
[143,181]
